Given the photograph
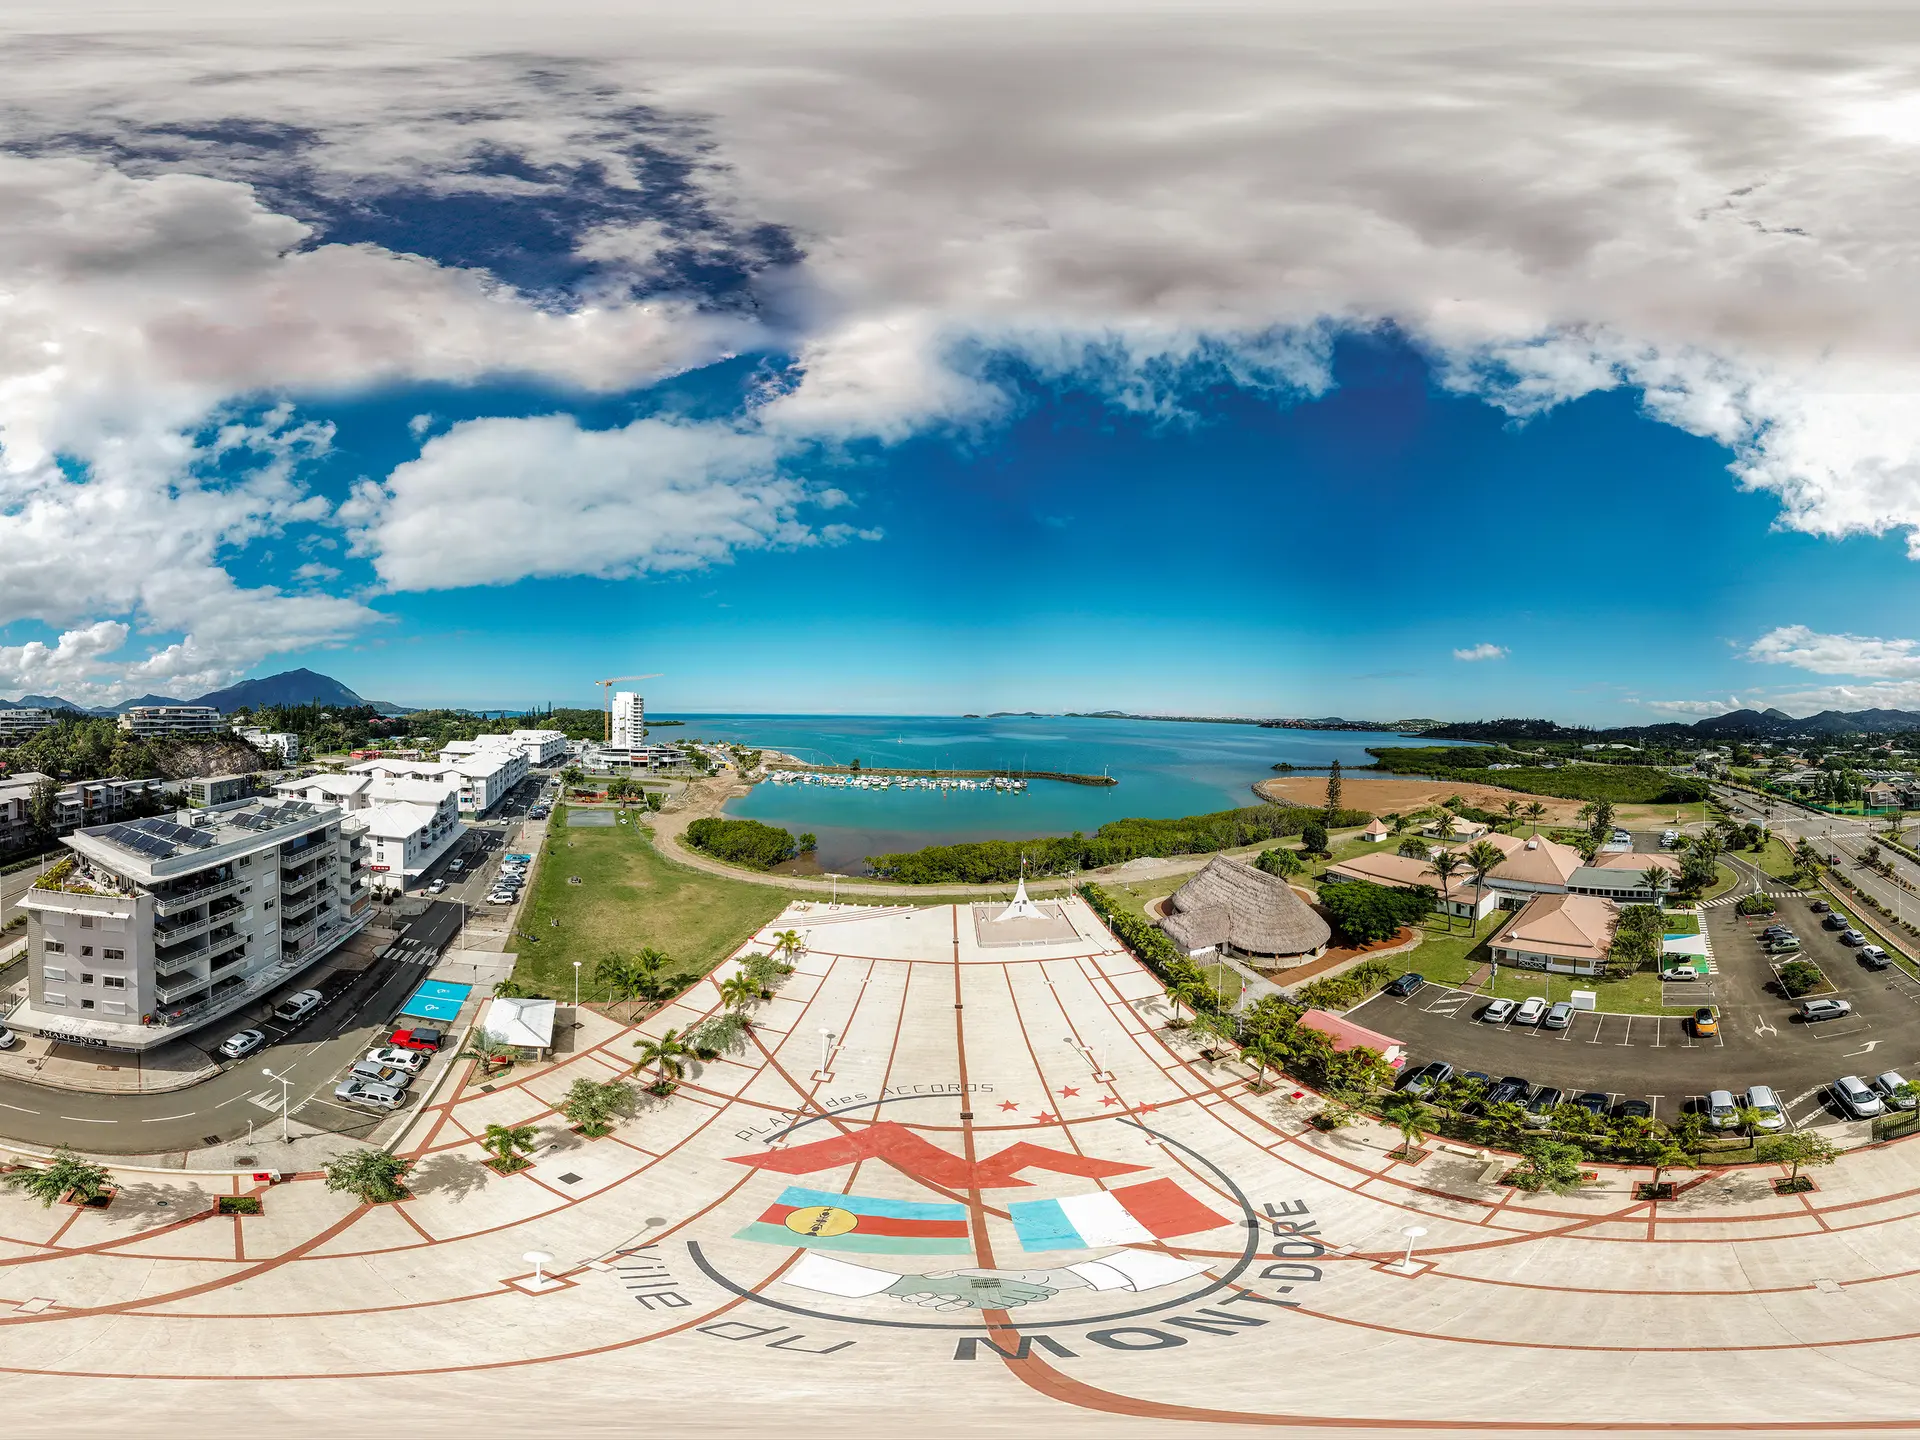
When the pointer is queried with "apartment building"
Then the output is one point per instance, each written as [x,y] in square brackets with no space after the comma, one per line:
[283,745]
[18,725]
[217,789]
[83,802]
[157,927]
[629,720]
[483,777]
[144,720]
[409,822]
[541,747]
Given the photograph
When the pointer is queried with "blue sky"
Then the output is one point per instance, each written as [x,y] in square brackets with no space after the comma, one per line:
[953,367]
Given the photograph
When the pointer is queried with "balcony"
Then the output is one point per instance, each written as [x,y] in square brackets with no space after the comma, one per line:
[226,963]
[187,899]
[168,988]
[187,955]
[293,909]
[186,930]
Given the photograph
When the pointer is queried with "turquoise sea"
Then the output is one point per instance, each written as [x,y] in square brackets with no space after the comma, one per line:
[1165,768]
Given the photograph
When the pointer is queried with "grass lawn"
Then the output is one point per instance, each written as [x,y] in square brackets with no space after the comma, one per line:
[1680,925]
[1226,980]
[1450,958]
[1723,880]
[1775,859]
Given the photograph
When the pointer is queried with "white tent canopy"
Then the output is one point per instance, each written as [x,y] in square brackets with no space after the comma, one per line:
[527,1023]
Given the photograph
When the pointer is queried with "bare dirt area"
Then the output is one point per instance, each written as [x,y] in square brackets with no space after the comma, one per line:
[1405,795]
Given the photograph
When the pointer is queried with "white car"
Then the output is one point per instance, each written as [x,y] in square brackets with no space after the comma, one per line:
[1763,1102]
[7,1038]
[1498,1012]
[242,1043]
[297,1007]
[436,887]
[394,1058]
[369,1092]
[1530,1011]
[1680,972]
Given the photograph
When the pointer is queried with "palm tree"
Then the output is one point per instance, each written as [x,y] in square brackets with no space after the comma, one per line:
[1483,859]
[737,992]
[637,978]
[1512,807]
[1585,814]
[1211,1028]
[571,777]
[510,989]
[788,944]
[1536,812]
[1443,865]
[1656,879]
[1412,1117]
[1189,991]
[668,1055]
[1396,820]
[1264,1053]
[65,1174]
[493,1051]
[507,1143]
[372,1176]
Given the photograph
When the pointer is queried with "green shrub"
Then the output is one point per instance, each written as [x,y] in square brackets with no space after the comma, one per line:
[741,842]
[1754,905]
[1362,912]
[1800,977]
[1347,989]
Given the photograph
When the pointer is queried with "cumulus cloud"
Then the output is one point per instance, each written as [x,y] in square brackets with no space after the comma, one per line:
[71,663]
[1694,707]
[1482,651]
[1807,649]
[497,500]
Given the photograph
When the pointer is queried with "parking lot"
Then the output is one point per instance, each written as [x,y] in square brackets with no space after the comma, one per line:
[1658,1058]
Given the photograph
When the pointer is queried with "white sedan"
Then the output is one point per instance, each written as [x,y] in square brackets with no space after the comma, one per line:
[394,1058]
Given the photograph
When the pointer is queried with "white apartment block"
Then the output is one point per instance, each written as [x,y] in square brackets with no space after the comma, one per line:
[83,802]
[629,720]
[144,720]
[542,747]
[282,744]
[410,822]
[17,725]
[158,927]
[483,776]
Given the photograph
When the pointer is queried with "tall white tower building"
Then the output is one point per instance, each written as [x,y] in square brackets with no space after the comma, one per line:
[629,720]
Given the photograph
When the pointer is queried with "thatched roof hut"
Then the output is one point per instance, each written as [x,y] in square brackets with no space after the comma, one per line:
[1234,906]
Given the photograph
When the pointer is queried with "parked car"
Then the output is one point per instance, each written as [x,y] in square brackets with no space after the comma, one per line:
[1852,937]
[297,1007]
[380,1074]
[1424,1079]
[1634,1110]
[1850,1092]
[1894,1091]
[1668,838]
[1705,1022]
[1874,958]
[421,1037]
[1560,1015]
[1593,1102]
[411,1061]
[1811,1010]
[436,887]
[498,899]
[242,1043]
[1722,1114]
[1820,907]
[7,1038]
[1540,1109]
[1784,945]
[1497,1012]
[368,1092]
[1836,921]
[1405,985]
[1683,971]
[1775,931]
[1763,1102]
[1530,1011]
[1512,1090]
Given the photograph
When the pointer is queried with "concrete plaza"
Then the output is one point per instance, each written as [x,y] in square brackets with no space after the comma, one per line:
[952,1185]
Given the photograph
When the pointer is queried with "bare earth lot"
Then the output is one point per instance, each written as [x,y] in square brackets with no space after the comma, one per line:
[1381,796]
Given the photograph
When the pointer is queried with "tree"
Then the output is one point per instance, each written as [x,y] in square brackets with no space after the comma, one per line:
[1512,810]
[1602,819]
[717,1035]
[64,1174]
[1799,977]
[1550,1165]
[43,809]
[807,843]
[1748,1119]
[618,790]
[509,1145]
[1331,810]
[1212,1028]
[1483,859]
[1191,991]
[1363,912]
[1280,861]
[372,1176]
[766,971]
[668,1055]
[1313,838]
[1444,864]
[1806,859]
[1395,821]
[737,992]
[1536,812]
[1413,848]
[637,977]
[788,944]
[1656,879]
[510,989]
[1796,1148]
[1662,1152]
[494,1052]
[592,1105]
[572,776]
[1411,1116]
[1264,1053]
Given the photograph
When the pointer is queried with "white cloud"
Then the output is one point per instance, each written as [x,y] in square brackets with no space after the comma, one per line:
[1482,651]
[1807,649]
[1694,707]
[70,664]
[493,501]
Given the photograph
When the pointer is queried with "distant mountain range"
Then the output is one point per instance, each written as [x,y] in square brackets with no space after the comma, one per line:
[289,687]
[1768,724]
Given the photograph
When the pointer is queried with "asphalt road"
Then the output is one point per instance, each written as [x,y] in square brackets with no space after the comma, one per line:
[1658,1058]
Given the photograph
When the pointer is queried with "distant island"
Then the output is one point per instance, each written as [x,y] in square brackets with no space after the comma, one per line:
[1331,722]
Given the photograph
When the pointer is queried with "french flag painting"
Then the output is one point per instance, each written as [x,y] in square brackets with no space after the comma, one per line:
[1130,1215]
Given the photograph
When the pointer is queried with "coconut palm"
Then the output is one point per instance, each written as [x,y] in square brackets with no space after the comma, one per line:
[1264,1053]
[1656,879]
[1412,1117]
[65,1174]
[668,1055]
[638,978]
[1512,808]
[508,1145]
[1190,992]
[1413,848]
[493,1051]
[510,989]
[737,993]
[1536,812]
[1444,864]
[1483,859]
[1395,821]
[788,944]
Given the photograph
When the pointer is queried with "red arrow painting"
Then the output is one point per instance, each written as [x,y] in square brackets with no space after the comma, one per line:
[925,1161]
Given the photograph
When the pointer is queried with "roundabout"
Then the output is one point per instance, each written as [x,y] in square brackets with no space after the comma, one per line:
[955,1184]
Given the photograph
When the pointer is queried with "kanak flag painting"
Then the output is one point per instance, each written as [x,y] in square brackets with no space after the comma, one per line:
[1131,1215]
[821,1220]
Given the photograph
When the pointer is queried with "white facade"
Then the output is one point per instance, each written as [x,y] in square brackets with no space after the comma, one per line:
[483,778]
[542,747]
[158,927]
[23,724]
[629,720]
[410,821]
[282,743]
[144,720]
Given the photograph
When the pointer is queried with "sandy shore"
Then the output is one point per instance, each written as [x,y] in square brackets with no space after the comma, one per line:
[1403,796]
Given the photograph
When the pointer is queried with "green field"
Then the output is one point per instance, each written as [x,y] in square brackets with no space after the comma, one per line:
[1451,958]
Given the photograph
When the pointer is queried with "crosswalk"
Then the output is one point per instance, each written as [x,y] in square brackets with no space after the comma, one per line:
[1736,899]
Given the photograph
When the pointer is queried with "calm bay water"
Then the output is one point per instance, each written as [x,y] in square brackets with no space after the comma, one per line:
[1165,768]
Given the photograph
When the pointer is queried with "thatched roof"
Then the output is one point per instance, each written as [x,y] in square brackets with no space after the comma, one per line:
[1263,915]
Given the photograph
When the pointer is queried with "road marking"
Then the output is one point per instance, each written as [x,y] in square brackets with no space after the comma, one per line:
[21,1108]
[1866,1049]
[1627,1039]
[88,1120]
[156,1119]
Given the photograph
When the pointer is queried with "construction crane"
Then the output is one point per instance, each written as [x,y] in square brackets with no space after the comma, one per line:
[606,695]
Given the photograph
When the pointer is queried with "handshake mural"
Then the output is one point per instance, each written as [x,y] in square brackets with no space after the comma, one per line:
[986,1289]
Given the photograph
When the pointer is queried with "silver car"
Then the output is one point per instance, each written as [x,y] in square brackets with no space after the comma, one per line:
[1894,1091]
[1856,1099]
[1764,1103]
[380,1074]
[369,1092]
[1721,1114]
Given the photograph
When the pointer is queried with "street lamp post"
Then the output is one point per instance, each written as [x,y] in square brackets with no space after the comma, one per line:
[826,1049]
[1413,1233]
[576,993]
[836,886]
[285,1083]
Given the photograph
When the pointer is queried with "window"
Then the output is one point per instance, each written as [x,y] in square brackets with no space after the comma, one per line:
[113,954]
[267,906]
[54,947]
[114,1007]
[86,1004]
[86,922]
[113,982]
[54,972]
[51,999]
[86,977]
[86,949]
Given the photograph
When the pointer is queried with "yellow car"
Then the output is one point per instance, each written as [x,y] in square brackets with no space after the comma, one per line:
[1705,1022]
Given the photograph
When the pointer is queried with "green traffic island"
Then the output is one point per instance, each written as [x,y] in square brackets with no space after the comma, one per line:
[1800,979]
[241,1205]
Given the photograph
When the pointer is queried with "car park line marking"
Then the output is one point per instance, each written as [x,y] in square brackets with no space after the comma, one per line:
[1627,1039]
